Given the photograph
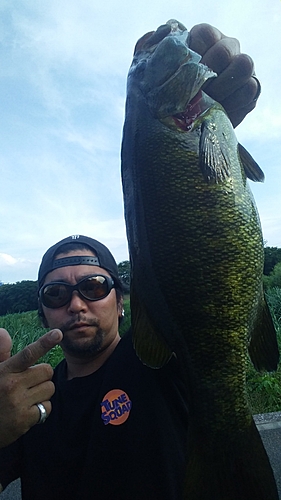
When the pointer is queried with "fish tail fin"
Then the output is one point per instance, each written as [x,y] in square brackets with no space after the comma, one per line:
[239,471]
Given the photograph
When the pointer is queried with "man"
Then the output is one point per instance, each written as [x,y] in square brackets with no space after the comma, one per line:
[117,428]
[115,425]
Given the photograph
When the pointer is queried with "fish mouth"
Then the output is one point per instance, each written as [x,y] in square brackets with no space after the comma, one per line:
[194,109]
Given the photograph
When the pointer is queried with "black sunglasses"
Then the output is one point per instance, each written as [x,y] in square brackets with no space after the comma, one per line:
[57,294]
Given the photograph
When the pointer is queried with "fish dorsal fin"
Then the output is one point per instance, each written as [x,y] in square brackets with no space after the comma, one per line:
[214,159]
[251,168]
[263,347]
[149,346]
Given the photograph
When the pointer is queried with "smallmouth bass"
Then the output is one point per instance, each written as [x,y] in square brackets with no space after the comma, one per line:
[196,252]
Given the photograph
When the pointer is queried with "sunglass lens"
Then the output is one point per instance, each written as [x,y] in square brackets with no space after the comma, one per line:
[94,288]
[55,295]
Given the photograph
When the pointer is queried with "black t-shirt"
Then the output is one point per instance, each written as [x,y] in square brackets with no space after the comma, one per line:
[117,434]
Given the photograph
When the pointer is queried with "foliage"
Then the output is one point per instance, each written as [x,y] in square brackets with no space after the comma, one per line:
[25,328]
[18,297]
[272,255]
[264,389]
[274,278]
[273,297]
[126,322]
[124,271]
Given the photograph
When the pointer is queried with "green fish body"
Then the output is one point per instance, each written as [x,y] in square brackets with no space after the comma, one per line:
[196,251]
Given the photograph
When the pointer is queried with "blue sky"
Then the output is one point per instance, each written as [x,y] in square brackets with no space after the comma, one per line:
[62,82]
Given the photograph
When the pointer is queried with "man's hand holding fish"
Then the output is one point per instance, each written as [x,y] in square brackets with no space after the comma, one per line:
[236,86]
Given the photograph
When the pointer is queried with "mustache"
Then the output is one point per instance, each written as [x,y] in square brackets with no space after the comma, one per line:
[79,318]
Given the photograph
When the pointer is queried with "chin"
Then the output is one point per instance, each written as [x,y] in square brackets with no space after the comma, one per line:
[84,347]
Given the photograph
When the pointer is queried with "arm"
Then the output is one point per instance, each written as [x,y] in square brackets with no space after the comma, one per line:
[23,385]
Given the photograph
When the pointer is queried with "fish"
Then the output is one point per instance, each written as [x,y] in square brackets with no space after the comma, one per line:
[196,254]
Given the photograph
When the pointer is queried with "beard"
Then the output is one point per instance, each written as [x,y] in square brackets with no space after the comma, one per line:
[86,348]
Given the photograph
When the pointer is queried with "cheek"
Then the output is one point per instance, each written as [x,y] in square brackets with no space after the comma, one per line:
[53,317]
[106,312]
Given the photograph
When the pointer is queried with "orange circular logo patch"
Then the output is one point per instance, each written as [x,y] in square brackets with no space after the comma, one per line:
[115,407]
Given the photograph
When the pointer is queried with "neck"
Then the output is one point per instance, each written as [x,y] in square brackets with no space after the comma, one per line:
[81,367]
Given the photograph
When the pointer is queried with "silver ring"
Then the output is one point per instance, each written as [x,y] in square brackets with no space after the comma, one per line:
[43,413]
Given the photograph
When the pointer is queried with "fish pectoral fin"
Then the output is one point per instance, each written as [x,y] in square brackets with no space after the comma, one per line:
[263,347]
[251,168]
[149,346]
[214,159]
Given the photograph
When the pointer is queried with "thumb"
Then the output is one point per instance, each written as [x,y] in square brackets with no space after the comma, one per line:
[31,353]
[5,345]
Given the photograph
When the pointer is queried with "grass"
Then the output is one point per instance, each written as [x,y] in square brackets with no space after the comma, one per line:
[263,389]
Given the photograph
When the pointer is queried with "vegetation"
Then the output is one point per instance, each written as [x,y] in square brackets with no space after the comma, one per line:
[264,389]
[272,255]
[18,297]
[274,278]
[124,271]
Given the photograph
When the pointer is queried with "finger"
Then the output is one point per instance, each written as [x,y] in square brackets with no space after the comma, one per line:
[152,38]
[220,55]
[41,391]
[31,353]
[48,407]
[202,37]
[140,43]
[237,116]
[5,344]
[34,376]
[245,95]
[235,76]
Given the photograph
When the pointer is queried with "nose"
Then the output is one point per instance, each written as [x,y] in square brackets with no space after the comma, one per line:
[77,303]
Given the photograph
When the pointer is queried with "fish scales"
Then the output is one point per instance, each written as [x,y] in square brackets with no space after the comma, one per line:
[215,277]
[193,228]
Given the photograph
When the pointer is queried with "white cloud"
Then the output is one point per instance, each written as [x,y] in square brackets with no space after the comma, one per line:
[63,83]
[7,259]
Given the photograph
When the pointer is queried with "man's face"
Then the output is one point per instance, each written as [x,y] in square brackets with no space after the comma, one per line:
[88,327]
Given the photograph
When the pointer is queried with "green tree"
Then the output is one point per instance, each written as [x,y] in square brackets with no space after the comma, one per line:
[274,278]
[124,271]
[272,255]
[18,297]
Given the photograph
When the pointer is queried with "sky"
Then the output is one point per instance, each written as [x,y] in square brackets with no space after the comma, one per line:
[63,75]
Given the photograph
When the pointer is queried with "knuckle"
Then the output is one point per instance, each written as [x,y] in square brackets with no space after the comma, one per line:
[44,371]
[246,64]
[49,389]
[48,370]
[27,356]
